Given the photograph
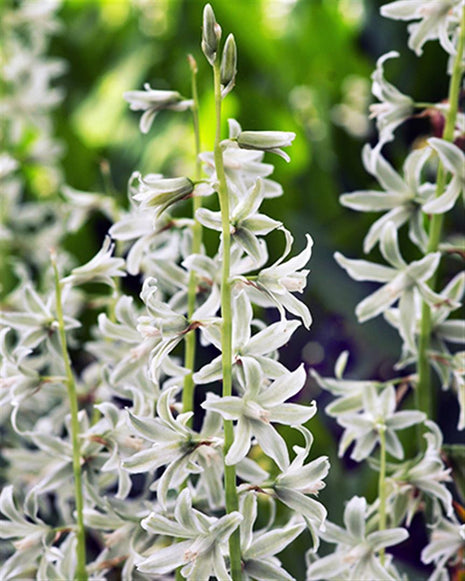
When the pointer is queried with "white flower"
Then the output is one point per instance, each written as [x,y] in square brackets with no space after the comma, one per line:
[275,284]
[379,415]
[258,408]
[402,280]
[38,321]
[246,223]
[101,268]
[242,167]
[259,547]
[155,191]
[446,548]
[18,377]
[453,160]
[294,485]
[151,101]
[443,330]
[200,552]
[403,196]
[356,551]
[174,445]
[426,474]
[436,20]
[394,107]
[259,348]
[349,393]
[28,528]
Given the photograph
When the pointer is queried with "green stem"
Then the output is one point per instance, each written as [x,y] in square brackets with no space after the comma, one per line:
[81,574]
[382,487]
[424,391]
[232,502]
[425,105]
[190,339]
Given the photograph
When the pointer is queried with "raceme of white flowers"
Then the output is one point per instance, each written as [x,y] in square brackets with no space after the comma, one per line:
[117,456]
[131,464]
[422,308]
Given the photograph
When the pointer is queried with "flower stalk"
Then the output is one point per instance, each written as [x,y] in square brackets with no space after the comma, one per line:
[80,574]
[382,487]
[424,392]
[232,502]
[190,339]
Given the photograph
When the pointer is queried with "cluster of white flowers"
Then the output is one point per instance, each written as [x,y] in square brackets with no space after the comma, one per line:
[368,411]
[156,485]
[29,161]
[160,454]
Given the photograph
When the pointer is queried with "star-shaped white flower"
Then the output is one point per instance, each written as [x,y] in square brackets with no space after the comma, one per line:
[199,546]
[259,407]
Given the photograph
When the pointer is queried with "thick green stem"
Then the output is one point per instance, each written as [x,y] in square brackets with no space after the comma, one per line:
[81,574]
[424,391]
[190,339]
[382,487]
[232,502]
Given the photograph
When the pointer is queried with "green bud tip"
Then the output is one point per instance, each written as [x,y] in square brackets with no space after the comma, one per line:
[211,34]
[228,67]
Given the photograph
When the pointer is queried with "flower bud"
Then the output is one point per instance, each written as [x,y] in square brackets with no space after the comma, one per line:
[211,34]
[270,141]
[228,67]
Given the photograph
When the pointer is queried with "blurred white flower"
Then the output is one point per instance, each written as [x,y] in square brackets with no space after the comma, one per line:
[438,19]
[101,268]
[151,101]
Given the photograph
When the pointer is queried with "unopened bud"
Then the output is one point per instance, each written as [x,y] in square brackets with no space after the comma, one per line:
[211,34]
[192,63]
[271,141]
[228,65]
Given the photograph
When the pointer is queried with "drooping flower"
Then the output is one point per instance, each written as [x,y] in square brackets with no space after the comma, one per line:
[275,284]
[37,321]
[155,191]
[394,107]
[443,329]
[453,160]
[151,101]
[242,167]
[426,475]
[294,485]
[103,267]
[437,18]
[245,220]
